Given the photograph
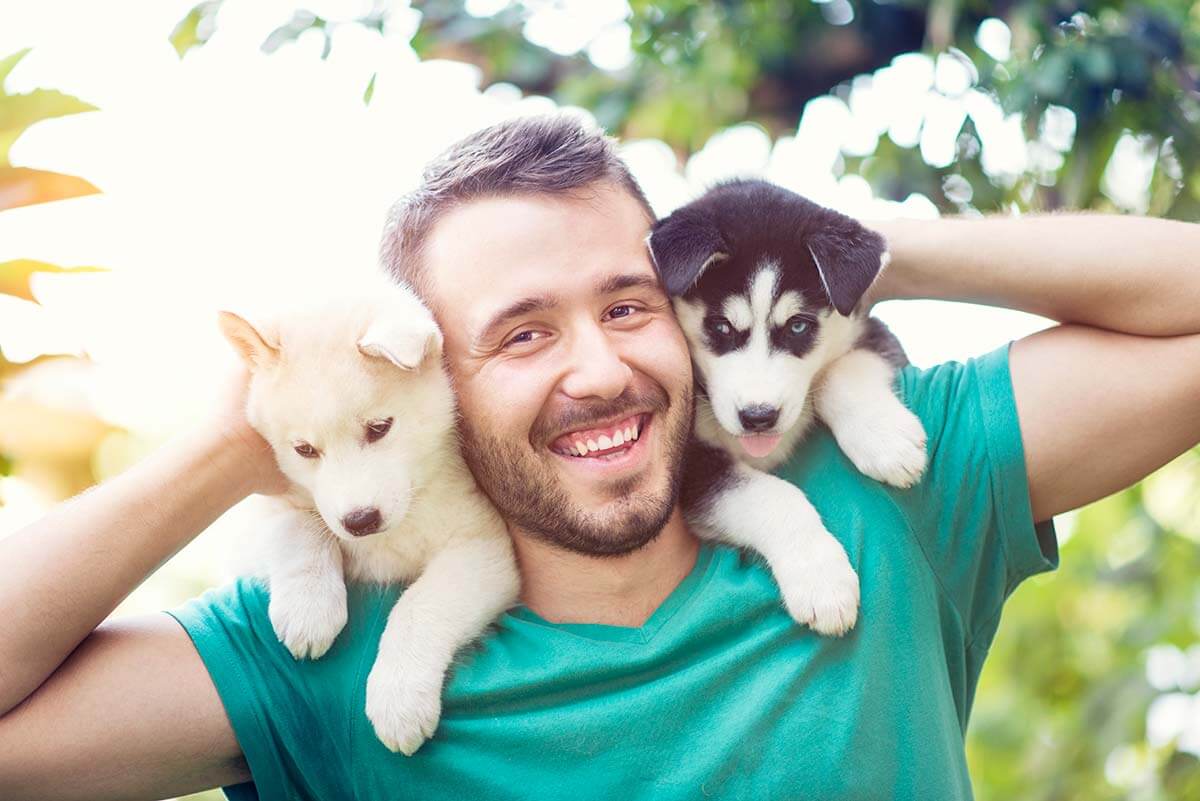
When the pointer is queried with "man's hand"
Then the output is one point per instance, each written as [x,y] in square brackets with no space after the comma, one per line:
[1102,402]
[262,470]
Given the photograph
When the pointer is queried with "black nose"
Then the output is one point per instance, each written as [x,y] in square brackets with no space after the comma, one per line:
[362,522]
[759,417]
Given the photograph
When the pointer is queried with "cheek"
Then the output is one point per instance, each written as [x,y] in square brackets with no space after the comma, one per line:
[503,399]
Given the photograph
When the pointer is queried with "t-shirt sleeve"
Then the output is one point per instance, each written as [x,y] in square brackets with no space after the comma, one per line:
[290,717]
[971,511]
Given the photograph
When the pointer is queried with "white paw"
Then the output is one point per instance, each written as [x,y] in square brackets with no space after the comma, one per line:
[307,618]
[404,705]
[888,446]
[820,589]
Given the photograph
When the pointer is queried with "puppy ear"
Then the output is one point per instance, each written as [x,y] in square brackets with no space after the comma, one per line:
[848,258]
[404,341]
[682,247]
[255,351]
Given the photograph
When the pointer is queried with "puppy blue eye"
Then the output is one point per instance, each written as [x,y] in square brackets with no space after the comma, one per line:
[797,326]
[721,327]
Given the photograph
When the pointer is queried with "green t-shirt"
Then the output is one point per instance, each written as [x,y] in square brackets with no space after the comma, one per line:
[719,694]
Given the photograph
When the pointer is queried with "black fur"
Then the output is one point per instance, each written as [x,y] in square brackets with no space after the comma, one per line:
[707,472]
[879,338]
[821,252]
[682,249]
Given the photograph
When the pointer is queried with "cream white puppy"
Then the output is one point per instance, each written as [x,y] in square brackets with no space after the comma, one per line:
[351,395]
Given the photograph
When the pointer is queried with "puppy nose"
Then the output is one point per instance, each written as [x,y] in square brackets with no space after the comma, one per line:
[362,522]
[759,417]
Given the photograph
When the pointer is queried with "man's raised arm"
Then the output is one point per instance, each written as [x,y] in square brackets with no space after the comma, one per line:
[126,710]
[1111,395]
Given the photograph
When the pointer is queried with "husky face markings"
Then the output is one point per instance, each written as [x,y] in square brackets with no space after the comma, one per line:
[758,347]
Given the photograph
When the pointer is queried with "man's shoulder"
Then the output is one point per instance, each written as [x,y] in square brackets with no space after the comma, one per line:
[231,624]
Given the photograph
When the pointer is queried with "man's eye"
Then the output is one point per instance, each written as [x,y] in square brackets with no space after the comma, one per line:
[522,338]
[624,310]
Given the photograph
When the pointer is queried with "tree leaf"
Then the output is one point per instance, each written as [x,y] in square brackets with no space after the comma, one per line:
[18,112]
[7,63]
[196,28]
[22,186]
[14,275]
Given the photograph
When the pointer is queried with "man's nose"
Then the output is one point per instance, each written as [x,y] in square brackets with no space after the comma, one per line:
[597,369]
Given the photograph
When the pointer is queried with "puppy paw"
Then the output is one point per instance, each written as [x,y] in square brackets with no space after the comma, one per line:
[307,619]
[404,705]
[888,446]
[821,590]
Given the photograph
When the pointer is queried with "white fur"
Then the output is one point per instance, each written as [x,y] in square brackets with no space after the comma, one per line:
[818,585]
[339,364]
[789,303]
[873,428]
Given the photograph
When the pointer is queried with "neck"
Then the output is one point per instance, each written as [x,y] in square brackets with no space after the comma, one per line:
[566,587]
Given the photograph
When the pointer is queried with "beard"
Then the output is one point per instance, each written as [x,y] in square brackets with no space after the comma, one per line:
[530,495]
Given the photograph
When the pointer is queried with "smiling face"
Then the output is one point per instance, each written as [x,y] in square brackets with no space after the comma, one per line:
[573,378]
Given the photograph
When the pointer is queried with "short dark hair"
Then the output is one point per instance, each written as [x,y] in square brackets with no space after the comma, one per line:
[547,154]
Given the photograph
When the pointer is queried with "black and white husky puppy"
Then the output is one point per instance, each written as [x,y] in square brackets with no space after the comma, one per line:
[767,287]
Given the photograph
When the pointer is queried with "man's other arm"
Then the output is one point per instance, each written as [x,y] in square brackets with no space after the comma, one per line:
[126,710]
[1112,394]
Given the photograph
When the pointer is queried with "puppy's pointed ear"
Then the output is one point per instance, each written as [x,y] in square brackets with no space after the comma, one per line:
[848,258]
[682,247]
[405,341]
[254,349]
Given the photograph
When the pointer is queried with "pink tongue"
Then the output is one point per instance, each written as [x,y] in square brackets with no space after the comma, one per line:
[759,445]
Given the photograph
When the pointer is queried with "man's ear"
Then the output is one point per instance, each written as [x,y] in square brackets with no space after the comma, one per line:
[682,247]
[405,341]
[848,258]
[254,349]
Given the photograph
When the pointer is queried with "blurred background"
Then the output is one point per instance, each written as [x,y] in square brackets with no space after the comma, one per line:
[161,160]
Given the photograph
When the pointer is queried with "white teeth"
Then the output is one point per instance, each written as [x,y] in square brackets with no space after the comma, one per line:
[636,432]
[628,434]
[592,446]
[618,439]
[580,448]
[605,443]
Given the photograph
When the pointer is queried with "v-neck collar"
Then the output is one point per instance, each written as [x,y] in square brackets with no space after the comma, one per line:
[634,634]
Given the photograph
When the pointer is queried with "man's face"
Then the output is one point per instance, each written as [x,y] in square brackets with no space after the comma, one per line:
[557,336]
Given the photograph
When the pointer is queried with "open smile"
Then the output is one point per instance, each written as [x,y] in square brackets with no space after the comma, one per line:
[612,447]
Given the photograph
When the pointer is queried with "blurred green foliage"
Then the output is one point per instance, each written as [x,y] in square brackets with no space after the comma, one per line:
[703,66]
[21,186]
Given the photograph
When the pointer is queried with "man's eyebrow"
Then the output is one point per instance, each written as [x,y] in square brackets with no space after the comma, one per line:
[615,283]
[533,303]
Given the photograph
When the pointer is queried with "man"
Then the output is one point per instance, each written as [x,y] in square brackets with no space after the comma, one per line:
[640,663]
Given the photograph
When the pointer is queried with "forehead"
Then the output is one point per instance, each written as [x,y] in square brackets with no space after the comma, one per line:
[488,252]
